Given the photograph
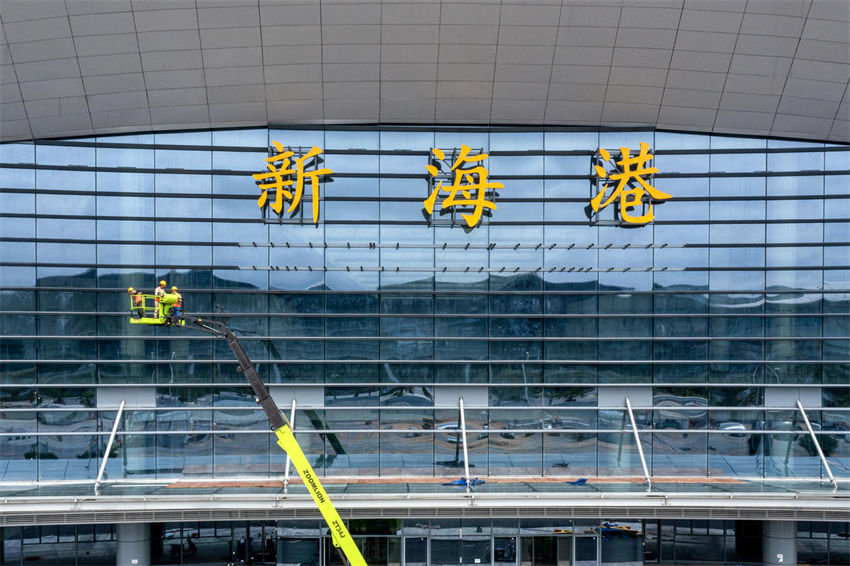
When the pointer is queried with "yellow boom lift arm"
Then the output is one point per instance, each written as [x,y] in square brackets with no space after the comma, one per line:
[285,437]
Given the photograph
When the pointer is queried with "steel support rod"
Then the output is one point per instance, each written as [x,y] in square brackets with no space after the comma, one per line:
[817,444]
[637,441]
[109,446]
[620,443]
[463,439]
[292,426]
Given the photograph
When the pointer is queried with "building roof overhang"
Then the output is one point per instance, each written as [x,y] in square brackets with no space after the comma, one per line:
[82,68]
[148,502]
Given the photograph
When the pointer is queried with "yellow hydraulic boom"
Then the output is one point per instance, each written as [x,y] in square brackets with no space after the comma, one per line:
[285,438]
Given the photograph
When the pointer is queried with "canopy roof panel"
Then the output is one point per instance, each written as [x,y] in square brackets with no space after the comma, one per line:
[765,67]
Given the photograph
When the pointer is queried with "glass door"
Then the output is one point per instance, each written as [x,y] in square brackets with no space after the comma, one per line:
[586,550]
[652,541]
[453,552]
[333,554]
[298,552]
[504,551]
[538,551]
[266,552]
[415,551]
[565,551]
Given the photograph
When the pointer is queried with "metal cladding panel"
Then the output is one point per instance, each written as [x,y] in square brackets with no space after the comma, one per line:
[722,48]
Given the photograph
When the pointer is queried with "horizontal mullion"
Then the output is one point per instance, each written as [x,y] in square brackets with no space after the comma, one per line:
[524,316]
[415,409]
[585,223]
[510,270]
[501,199]
[384,269]
[399,245]
[431,432]
[121,169]
[416,174]
[466,292]
[383,361]
[308,338]
[126,145]
[414,384]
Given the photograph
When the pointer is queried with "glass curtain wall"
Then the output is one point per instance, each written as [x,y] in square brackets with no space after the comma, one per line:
[714,318]
[411,542]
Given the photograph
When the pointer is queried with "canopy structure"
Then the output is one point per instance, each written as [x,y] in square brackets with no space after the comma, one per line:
[246,499]
[764,68]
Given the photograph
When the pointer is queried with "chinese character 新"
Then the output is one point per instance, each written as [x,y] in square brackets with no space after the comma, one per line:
[466,182]
[632,188]
[281,176]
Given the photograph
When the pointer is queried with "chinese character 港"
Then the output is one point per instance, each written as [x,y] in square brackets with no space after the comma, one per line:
[631,189]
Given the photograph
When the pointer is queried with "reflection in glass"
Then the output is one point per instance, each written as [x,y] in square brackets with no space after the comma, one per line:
[240,454]
[569,442]
[185,447]
[709,293]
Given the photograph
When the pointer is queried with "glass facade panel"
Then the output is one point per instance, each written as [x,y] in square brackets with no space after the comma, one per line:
[738,288]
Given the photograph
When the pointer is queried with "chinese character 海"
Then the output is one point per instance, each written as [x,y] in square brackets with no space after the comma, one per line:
[631,188]
[466,182]
[281,176]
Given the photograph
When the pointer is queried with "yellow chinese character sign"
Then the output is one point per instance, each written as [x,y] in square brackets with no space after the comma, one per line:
[632,189]
[469,188]
[280,178]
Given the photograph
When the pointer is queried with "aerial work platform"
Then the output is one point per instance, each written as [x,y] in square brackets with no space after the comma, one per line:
[159,312]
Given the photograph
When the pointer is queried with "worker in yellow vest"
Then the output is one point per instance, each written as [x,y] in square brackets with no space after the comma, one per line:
[138,301]
[157,293]
[177,309]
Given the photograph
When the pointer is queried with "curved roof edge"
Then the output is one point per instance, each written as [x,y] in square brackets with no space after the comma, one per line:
[768,69]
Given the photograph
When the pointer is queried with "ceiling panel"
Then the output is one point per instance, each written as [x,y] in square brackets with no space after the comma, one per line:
[30,11]
[97,6]
[228,17]
[43,70]
[177,40]
[71,105]
[413,90]
[54,88]
[121,118]
[82,67]
[573,112]
[230,37]
[399,110]
[177,97]
[103,24]
[677,117]
[238,112]
[160,20]
[28,51]
[463,111]
[110,64]
[716,21]
[517,111]
[117,101]
[830,11]
[352,110]
[235,94]
[122,82]
[39,28]
[747,44]
[174,79]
